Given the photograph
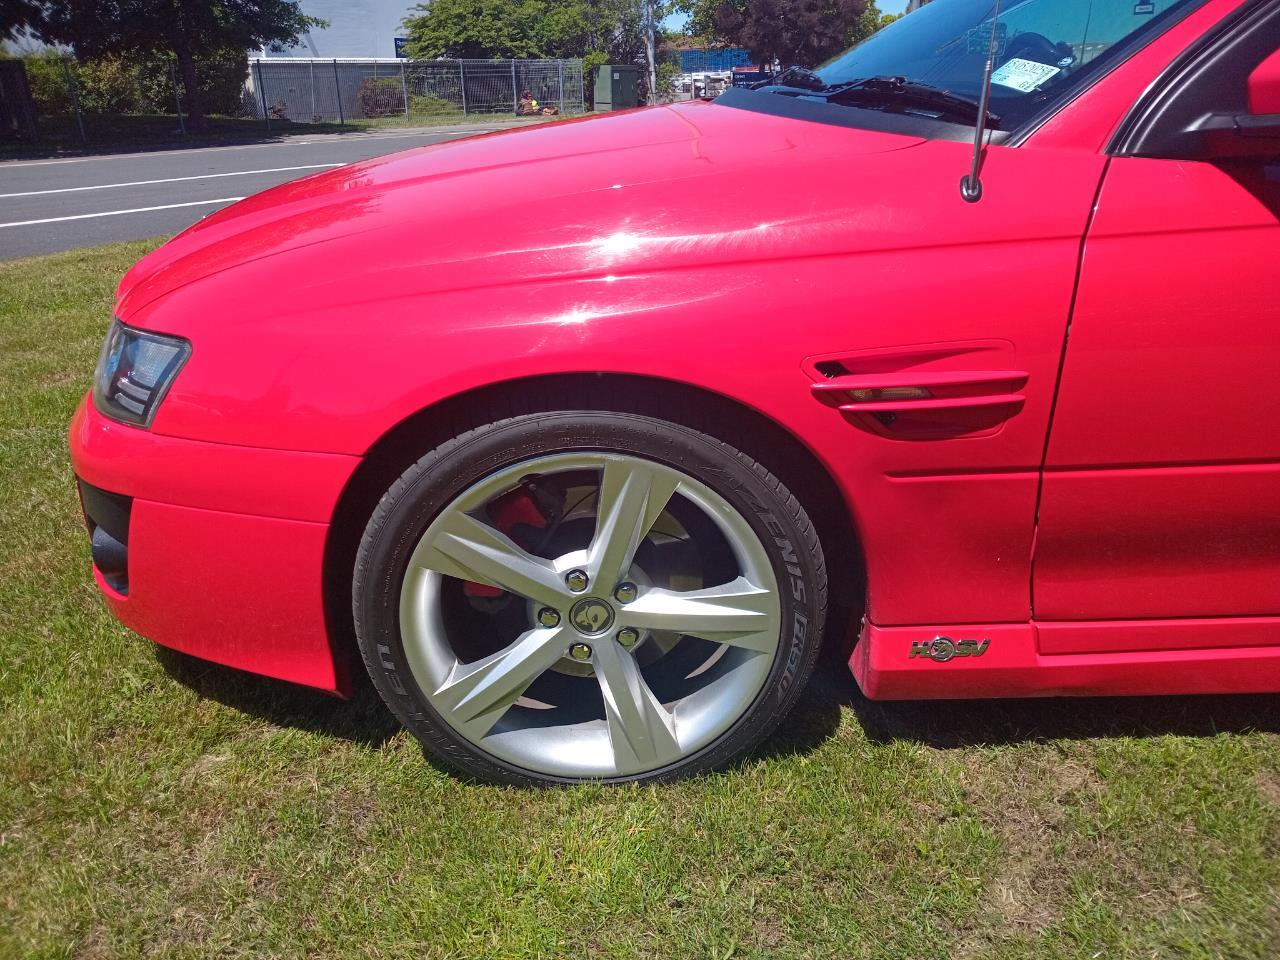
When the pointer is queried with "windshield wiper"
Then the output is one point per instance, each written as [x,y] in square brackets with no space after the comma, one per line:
[903,94]
[795,78]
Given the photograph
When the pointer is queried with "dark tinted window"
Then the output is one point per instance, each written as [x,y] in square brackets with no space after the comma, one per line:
[1044,47]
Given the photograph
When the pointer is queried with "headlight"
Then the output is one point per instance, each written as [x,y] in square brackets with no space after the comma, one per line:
[134,371]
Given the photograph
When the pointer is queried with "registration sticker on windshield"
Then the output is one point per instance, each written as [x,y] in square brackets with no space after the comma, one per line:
[1022,75]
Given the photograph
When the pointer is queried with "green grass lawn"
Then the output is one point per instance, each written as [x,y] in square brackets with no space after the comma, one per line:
[153,805]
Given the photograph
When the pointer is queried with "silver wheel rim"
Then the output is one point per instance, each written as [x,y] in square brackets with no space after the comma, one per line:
[623,703]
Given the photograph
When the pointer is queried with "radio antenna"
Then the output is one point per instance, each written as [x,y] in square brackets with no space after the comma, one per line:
[970,185]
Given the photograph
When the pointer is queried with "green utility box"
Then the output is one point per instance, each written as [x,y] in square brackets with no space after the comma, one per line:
[617,86]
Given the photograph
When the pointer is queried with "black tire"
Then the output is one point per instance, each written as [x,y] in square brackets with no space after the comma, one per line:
[426,487]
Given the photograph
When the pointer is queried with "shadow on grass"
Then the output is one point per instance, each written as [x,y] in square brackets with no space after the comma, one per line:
[947,724]
[942,724]
[950,724]
[363,719]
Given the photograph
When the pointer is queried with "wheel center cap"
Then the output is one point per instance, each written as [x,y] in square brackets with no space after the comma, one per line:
[591,616]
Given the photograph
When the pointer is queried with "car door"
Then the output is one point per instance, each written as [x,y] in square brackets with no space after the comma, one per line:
[1161,492]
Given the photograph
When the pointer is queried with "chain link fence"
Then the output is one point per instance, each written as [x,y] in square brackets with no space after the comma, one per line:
[53,99]
[301,90]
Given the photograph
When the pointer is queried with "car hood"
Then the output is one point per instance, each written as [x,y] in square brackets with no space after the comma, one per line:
[589,196]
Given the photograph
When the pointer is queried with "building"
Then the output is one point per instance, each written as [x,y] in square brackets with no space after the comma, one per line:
[357,28]
[711,59]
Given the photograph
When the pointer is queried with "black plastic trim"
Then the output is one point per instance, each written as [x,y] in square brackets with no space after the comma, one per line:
[110,511]
[111,557]
[1190,87]
[107,516]
[848,115]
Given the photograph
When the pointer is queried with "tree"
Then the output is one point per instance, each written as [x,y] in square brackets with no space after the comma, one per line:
[867,24]
[518,29]
[476,29]
[19,16]
[598,31]
[190,30]
[804,32]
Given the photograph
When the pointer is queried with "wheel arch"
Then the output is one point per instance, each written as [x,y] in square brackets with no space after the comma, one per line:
[753,432]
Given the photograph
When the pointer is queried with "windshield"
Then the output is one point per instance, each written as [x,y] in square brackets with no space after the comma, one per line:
[1043,48]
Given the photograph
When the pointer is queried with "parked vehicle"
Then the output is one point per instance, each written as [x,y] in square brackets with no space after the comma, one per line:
[748,76]
[584,476]
[705,84]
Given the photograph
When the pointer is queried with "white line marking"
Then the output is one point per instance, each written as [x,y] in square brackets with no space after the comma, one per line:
[351,138]
[116,213]
[142,183]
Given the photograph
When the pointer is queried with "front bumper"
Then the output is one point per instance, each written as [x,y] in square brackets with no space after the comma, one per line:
[224,545]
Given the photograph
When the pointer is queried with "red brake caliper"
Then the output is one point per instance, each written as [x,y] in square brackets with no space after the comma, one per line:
[517,515]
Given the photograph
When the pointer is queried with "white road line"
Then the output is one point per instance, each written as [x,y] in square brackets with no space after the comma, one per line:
[142,183]
[338,138]
[116,213]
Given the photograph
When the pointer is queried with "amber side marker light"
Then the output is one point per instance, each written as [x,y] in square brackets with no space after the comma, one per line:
[889,393]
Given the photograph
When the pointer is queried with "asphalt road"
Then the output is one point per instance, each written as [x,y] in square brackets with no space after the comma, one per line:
[52,205]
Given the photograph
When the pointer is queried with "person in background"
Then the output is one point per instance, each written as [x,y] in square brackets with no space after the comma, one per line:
[529,107]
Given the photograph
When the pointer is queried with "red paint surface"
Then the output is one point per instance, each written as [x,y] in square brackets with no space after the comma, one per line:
[1264,86]
[239,590]
[216,476]
[1012,667]
[778,263]
[1162,491]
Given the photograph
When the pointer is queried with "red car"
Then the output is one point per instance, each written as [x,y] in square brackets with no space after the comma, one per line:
[583,439]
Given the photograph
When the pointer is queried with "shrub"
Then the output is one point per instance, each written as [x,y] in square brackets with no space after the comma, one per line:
[112,85]
[381,97]
[667,74]
[421,105]
[48,81]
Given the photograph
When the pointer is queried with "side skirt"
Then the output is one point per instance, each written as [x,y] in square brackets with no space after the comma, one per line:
[1218,655]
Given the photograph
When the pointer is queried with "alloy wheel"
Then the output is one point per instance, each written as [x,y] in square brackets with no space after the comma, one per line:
[620,627]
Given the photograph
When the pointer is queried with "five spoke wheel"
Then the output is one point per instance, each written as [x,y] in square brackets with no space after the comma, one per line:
[626,625]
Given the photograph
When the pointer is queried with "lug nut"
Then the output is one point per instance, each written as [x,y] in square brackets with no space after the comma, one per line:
[628,636]
[548,617]
[580,651]
[576,580]
[625,593]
